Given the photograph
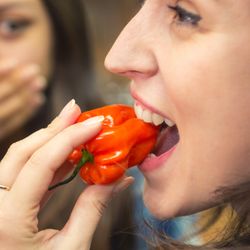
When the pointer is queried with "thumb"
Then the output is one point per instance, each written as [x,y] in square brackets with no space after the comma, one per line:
[79,229]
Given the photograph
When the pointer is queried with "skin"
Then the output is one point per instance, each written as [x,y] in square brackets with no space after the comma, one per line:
[26,42]
[29,168]
[198,76]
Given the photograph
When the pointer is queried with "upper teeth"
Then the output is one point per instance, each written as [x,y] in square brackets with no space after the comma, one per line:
[150,117]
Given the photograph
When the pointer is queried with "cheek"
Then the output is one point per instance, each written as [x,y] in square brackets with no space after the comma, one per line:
[210,93]
[34,47]
[210,89]
[41,53]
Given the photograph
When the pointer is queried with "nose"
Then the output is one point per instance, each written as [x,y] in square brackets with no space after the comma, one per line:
[132,54]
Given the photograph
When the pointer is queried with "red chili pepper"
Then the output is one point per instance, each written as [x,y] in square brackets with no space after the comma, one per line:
[123,142]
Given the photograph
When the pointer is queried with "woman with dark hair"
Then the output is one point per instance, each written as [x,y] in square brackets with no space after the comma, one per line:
[51,38]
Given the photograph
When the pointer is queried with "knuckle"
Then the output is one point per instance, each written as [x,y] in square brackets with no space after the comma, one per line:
[54,127]
[68,135]
[99,206]
[51,130]
[17,147]
[36,159]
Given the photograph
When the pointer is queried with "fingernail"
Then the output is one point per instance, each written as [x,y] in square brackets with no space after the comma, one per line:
[39,83]
[67,108]
[125,183]
[30,71]
[39,100]
[93,120]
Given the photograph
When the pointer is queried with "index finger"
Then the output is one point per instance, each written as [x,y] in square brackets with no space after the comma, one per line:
[37,174]
[7,65]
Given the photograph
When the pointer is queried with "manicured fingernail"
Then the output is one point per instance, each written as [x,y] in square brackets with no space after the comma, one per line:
[93,120]
[67,108]
[30,71]
[39,99]
[125,183]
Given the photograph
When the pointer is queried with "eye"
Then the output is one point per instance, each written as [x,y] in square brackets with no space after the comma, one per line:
[185,17]
[10,28]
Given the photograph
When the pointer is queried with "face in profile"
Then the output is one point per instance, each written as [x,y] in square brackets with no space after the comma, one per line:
[188,62]
[25,33]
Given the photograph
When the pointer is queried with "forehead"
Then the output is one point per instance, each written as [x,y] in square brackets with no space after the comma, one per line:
[10,4]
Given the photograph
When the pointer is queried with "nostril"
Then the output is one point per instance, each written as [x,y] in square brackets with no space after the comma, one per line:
[130,67]
[132,74]
[114,64]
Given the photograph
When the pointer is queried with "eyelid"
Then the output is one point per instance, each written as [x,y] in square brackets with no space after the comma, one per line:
[181,11]
[21,23]
[7,33]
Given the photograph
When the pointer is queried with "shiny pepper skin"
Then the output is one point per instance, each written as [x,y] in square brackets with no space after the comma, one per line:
[124,141]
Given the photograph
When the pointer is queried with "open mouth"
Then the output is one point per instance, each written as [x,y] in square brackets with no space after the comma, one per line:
[167,139]
[168,136]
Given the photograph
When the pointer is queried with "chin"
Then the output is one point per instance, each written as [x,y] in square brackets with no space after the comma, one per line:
[167,204]
[160,207]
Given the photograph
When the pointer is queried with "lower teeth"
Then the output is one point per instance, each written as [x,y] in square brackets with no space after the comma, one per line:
[151,155]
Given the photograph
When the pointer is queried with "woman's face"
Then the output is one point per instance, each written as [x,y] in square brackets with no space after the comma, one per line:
[25,33]
[189,62]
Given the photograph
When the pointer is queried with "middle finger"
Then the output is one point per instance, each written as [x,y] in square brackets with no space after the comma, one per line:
[34,179]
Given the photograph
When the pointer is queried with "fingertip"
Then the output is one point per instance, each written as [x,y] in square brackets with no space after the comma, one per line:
[96,120]
[67,116]
[68,108]
[71,111]
[77,110]
[8,64]
[123,184]
[112,189]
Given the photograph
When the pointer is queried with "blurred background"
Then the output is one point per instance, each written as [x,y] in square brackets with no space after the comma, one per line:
[106,20]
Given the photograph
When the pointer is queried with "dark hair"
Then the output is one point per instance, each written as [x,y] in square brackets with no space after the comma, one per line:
[234,235]
[73,71]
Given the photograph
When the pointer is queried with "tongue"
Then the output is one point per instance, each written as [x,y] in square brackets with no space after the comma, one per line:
[167,139]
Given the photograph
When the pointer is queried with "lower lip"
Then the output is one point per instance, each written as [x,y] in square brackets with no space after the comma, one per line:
[153,162]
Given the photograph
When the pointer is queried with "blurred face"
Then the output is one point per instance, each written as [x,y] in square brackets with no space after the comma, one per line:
[25,33]
[189,62]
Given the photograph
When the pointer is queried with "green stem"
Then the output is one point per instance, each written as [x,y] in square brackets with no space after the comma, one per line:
[86,157]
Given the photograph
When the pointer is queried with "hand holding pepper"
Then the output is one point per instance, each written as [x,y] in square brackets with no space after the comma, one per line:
[25,174]
[123,142]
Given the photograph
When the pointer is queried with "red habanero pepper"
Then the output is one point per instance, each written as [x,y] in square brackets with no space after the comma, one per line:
[124,141]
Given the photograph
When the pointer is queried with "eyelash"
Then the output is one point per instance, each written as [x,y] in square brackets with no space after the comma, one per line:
[11,28]
[185,17]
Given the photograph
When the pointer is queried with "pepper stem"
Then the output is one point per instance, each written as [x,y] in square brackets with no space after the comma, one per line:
[86,157]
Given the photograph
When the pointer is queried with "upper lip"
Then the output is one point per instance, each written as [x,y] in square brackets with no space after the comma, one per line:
[146,105]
